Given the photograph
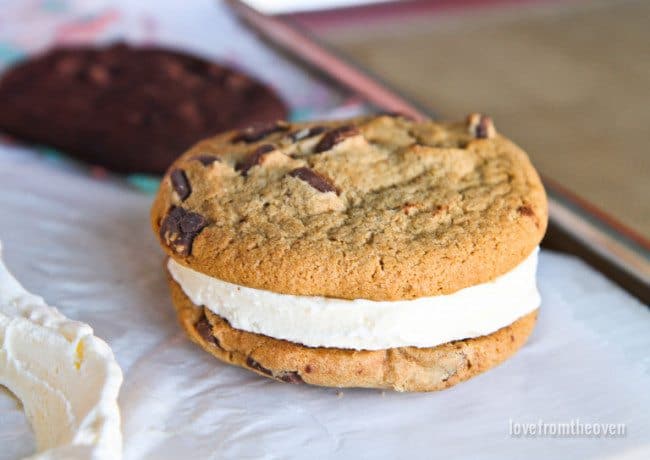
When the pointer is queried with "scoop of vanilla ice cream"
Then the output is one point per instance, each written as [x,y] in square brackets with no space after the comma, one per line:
[66,378]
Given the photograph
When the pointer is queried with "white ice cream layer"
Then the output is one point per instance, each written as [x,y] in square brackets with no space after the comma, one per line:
[365,324]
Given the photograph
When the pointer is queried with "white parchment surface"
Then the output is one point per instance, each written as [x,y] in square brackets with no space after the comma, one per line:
[86,247]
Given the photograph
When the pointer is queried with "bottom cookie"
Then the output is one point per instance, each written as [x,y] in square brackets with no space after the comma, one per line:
[400,369]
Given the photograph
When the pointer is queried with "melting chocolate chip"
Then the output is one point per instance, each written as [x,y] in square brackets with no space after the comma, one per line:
[257,132]
[320,183]
[307,133]
[526,211]
[250,362]
[254,158]
[333,137]
[180,183]
[204,328]
[291,377]
[179,228]
[206,160]
[482,130]
[481,126]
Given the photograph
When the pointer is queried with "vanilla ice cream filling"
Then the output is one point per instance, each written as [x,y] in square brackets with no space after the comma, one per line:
[366,324]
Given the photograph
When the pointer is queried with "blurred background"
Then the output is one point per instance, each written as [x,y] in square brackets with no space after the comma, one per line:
[568,80]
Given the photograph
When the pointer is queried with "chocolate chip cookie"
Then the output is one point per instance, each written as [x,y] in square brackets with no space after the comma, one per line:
[375,252]
[130,109]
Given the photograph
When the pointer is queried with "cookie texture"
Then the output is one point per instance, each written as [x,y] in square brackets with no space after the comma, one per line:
[127,108]
[378,207]
[400,369]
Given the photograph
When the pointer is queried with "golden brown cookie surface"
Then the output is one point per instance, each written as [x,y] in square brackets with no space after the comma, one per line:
[400,369]
[380,207]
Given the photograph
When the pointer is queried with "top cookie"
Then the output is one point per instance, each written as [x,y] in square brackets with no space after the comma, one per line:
[379,207]
[130,109]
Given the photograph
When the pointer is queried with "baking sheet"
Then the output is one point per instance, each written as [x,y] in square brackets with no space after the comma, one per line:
[86,247]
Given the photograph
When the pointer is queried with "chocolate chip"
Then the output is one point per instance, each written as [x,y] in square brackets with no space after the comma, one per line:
[204,328]
[254,158]
[207,160]
[68,65]
[180,183]
[335,136]
[179,228]
[190,112]
[482,129]
[99,75]
[237,82]
[256,132]
[526,210]
[250,362]
[481,126]
[174,70]
[320,183]
[307,133]
[291,377]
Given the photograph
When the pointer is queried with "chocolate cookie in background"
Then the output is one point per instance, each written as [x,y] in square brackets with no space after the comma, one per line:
[129,109]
